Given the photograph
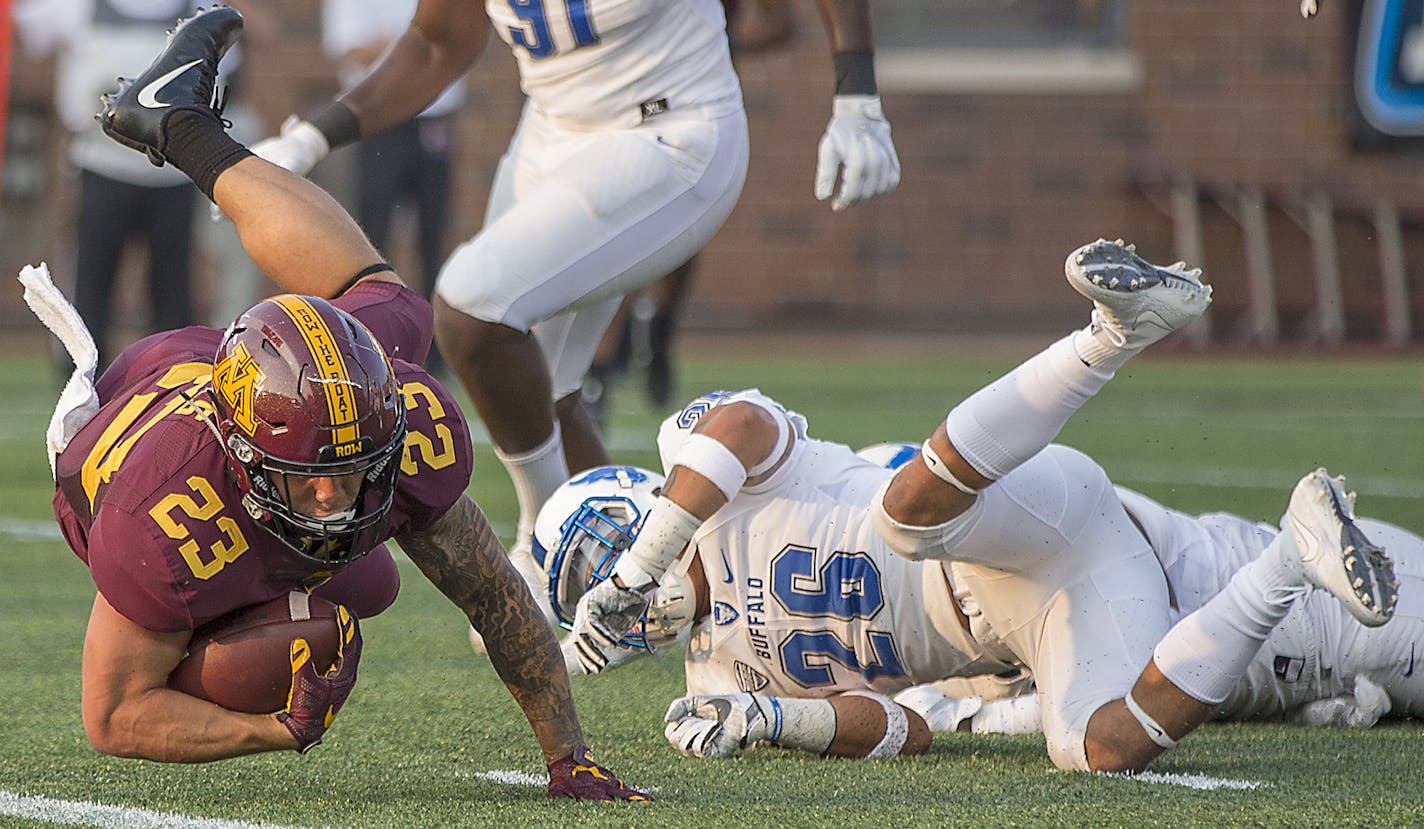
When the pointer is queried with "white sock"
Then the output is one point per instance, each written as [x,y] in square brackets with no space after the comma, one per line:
[1207,652]
[536,474]
[1012,419]
[1016,715]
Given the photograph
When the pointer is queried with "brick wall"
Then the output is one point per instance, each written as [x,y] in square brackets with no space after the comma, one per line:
[997,188]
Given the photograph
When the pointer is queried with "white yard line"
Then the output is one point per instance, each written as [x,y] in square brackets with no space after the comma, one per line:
[510,777]
[85,813]
[26,529]
[1192,781]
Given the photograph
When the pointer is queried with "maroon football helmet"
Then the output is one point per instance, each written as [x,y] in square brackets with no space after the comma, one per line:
[304,390]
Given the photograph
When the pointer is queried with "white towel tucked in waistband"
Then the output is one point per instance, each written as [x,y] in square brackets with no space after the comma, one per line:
[78,402]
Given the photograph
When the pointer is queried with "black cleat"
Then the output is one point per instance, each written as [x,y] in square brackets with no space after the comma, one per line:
[181,78]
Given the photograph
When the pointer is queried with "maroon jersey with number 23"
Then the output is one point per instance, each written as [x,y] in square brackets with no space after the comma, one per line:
[146,499]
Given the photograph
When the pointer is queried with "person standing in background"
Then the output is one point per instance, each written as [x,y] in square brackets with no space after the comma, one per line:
[121,195]
[410,160]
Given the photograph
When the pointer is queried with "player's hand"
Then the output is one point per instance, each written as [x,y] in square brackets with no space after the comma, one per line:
[856,145]
[316,697]
[604,616]
[578,777]
[716,725]
[585,658]
[298,147]
[1361,709]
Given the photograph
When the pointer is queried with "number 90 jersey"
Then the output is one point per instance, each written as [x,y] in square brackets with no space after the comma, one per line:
[147,500]
[592,64]
[806,600]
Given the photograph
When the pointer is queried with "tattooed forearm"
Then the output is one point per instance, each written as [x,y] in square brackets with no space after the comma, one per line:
[462,556]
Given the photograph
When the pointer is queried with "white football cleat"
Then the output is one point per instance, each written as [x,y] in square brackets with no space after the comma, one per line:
[1135,303]
[1333,554]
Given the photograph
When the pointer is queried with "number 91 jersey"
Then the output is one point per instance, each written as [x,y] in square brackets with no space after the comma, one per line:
[807,601]
[147,500]
[592,64]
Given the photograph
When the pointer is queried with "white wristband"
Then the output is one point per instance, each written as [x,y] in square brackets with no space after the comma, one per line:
[711,459]
[666,531]
[941,470]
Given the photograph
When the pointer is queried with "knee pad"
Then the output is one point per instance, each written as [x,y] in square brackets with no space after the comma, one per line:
[1065,737]
[1065,725]
[916,543]
[472,281]
[1066,749]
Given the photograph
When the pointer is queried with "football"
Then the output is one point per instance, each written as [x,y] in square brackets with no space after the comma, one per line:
[242,661]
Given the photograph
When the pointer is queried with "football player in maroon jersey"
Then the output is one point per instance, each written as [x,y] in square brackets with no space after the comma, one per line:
[222,469]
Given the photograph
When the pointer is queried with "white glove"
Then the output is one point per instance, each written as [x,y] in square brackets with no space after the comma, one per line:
[604,616]
[1361,709]
[298,147]
[857,145]
[604,659]
[715,726]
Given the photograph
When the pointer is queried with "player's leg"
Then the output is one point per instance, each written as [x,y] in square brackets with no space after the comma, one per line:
[610,361]
[168,226]
[433,184]
[1200,660]
[290,227]
[569,342]
[594,226]
[106,212]
[667,295]
[1000,426]
[1062,576]
[1377,671]
[385,173]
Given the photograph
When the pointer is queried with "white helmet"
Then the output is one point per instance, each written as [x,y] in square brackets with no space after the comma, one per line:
[890,455]
[585,526]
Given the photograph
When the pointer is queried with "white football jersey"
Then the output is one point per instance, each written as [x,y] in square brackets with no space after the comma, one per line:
[1316,652]
[806,599]
[602,63]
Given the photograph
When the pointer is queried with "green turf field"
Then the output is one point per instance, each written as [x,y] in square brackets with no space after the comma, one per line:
[430,722]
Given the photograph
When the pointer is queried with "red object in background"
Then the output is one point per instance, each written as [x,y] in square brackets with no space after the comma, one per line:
[7,42]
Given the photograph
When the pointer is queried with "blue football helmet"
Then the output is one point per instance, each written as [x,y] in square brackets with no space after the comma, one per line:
[585,526]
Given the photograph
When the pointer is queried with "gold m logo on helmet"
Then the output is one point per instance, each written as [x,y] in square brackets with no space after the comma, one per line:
[329,365]
[235,379]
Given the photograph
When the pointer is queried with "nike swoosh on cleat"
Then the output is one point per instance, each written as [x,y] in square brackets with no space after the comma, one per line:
[148,96]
